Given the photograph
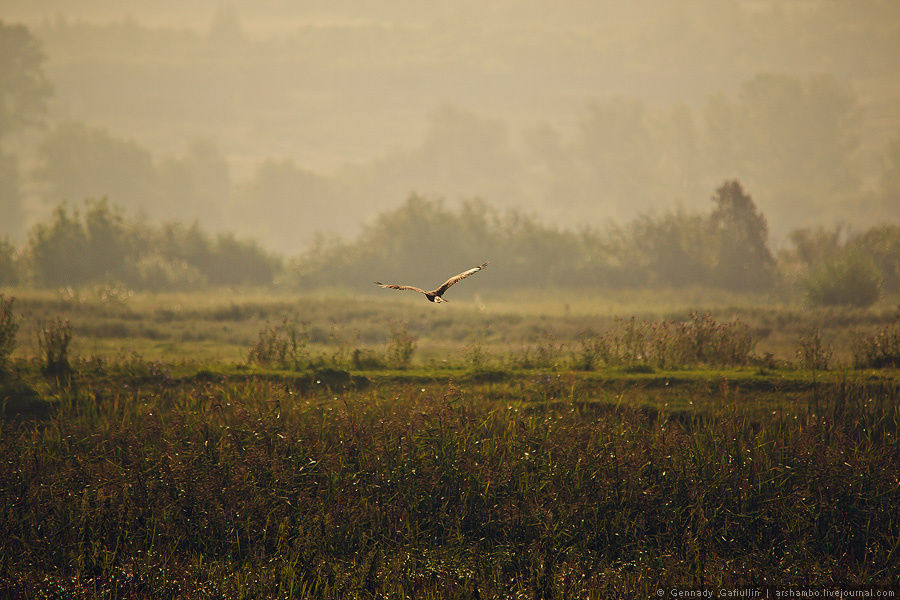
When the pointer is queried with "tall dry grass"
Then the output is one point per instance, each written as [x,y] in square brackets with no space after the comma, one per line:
[161,488]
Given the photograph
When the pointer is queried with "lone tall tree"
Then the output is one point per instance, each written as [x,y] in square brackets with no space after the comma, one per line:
[24,92]
[743,260]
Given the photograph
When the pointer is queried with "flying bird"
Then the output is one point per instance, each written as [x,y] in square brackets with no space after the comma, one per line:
[435,295]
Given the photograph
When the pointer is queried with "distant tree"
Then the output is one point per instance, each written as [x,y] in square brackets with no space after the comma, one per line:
[889,188]
[76,161]
[793,138]
[671,250]
[286,205]
[463,154]
[111,245]
[616,150]
[241,262]
[830,259]
[812,247]
[194,186]
[881,245]
[73,249]
[850,279]
[58,251]
[24,90]
[409,235]
[103,245]
[414,241]
[743,260]
[623,160]
[9,272]
[11,213]
[190,244]
[424,236]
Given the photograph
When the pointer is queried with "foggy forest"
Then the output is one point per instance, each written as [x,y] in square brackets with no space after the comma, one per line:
[294,127]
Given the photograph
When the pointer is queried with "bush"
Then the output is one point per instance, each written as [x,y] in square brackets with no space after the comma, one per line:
[849,279]
[9,327]
[363,359]
[102,246]
[813,353]
[882,246]
[58,250]
[543,353]
[668,344]
[879,350]
[588,355]
[54,338]
[401,347]
[157,273]
[704,340]
[475,354]
[237,261]
[283,346]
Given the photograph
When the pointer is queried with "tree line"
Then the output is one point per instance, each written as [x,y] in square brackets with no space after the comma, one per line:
[725,247]
[101,245]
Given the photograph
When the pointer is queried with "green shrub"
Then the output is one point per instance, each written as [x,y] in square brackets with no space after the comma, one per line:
[849,279]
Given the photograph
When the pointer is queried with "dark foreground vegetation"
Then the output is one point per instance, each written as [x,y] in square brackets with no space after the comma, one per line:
[645,455]
[545,486]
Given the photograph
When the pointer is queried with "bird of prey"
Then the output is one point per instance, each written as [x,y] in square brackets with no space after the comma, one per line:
[435,295]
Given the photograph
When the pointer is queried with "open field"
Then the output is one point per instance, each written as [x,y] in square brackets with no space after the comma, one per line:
[220,325]
[512,454]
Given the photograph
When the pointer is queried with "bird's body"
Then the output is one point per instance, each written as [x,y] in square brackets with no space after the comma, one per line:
[435,295]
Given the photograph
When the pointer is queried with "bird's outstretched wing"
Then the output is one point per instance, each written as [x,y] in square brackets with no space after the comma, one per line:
[457,277]
[400,287]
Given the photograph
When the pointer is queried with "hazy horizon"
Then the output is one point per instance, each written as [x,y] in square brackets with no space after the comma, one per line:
[279,122]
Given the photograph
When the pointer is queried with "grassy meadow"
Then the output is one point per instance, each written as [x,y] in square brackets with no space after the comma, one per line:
[262,445]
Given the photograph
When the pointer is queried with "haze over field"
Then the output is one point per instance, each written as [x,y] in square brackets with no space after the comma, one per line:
[681,362]
[280,120]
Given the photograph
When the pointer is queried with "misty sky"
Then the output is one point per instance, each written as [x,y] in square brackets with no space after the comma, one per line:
[581,111]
